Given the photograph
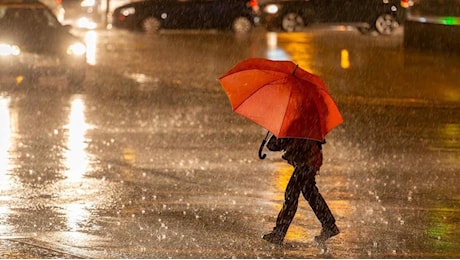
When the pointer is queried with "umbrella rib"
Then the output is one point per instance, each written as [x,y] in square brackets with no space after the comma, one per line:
[285,111]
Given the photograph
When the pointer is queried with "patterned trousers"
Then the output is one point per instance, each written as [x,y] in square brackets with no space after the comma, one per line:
[303,180]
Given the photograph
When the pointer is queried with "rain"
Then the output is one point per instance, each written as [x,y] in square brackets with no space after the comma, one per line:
[149,161]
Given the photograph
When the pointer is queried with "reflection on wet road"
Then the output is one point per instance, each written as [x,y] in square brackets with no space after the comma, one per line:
[150,161]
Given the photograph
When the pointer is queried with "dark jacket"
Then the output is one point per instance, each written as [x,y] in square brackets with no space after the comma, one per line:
[298,152]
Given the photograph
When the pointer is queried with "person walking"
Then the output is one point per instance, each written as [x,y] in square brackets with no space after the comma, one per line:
[306,157]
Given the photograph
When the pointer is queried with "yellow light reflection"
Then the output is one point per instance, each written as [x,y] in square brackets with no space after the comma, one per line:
[300,48]
[76,159]
[344,59]
[283,175]
[91,41]
[448,140]
[451,93]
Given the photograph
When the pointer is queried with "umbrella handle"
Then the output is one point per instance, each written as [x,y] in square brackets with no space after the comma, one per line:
[263,155]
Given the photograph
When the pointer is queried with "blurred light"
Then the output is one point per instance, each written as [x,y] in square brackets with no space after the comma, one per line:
[271,9]
[76,213]
[344,59]
[91,41]
[272,40]
[449,20]
[406,3]
[5,142]
[273,52]
[76,49]
[88,3]
[342,28]
[7,49]
[76,157]
[129,155]
[86,23]
[128,11]
[19,79]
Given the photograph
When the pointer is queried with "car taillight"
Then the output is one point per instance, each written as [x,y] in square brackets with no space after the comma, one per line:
[254,5]
[406,3]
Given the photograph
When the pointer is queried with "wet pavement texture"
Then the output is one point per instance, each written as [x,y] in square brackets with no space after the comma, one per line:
[150,161]
[20,248]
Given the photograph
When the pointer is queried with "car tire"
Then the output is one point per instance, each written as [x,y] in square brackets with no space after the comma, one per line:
[386,24]
[241,25]
[292,22]
[150,25]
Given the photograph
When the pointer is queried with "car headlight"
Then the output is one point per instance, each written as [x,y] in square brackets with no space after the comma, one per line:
[88,3]
[76,49]
[271,9]
[8,49]
[128,11]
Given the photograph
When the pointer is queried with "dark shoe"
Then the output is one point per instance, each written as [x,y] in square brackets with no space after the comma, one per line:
[274,237]
[327,233]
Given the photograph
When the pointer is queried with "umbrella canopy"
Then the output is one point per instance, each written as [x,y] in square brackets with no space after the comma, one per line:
[281,97]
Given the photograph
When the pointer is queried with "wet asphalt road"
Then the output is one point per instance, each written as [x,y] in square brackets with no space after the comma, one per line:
[150,162]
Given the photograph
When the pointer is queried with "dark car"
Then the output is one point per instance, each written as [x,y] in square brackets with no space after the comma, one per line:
[383,16]
[433,24]
[152,15]
[34,44]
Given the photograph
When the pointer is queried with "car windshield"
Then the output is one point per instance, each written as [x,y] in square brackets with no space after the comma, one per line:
[32,17]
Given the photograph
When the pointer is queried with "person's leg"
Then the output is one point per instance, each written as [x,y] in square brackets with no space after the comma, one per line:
[320,208]
[287,212]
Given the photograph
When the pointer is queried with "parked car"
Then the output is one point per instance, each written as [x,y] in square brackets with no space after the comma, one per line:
[97,13]
[152,15]
[384,16]
[34,44]
[433,24]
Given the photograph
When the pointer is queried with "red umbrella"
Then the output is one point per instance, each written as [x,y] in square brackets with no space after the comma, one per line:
[281,97]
